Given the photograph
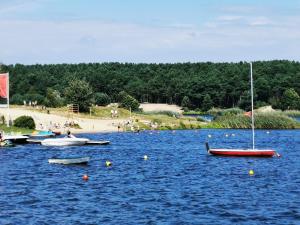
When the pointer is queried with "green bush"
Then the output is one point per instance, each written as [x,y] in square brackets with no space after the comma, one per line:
[24,122]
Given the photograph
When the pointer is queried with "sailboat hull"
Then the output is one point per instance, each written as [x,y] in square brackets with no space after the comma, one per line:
[243,152]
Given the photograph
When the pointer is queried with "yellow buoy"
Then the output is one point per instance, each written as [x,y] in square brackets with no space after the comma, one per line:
[251,172]
[145,157]
[108,163]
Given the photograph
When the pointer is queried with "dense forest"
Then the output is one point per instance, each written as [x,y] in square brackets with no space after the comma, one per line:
[192,85]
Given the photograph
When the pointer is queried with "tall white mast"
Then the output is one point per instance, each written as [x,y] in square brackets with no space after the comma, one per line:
[252,111]
[7,89]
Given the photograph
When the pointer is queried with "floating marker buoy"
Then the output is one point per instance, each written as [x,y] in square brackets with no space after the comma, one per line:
[108,163]
[268,132]
[232,135]
[145,157]
[226,135]
[209,136]
[251,172]
[85,177]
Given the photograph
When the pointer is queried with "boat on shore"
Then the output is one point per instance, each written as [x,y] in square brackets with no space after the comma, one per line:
[66,141]
[70,161]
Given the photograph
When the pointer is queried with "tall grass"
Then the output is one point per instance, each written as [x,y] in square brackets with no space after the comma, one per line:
[295,113]
[164,112]
[225,112]
[262,121]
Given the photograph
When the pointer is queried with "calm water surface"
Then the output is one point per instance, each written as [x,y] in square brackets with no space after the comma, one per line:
[178,184]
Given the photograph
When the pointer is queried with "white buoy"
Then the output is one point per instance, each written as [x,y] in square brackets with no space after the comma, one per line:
[209,136]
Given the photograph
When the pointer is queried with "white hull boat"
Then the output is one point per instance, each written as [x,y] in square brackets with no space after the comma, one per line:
[18,139]
[64,141]
[67,161]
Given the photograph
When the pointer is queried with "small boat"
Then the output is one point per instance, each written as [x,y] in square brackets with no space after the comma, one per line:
[16,139]
[69,161]
[241,152]
[245,152]
[64,141]
[42,134]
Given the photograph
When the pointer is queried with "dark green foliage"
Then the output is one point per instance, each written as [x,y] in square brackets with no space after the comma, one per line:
[102,99]
[290,100]
[207,103]
[79,92]
[53,98]
[225,83]
[128,102]
[186,103]
[24,122]
[17,99]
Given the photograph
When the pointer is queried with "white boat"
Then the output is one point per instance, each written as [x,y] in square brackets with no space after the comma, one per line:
[67,161]
[19,139]
[64,141]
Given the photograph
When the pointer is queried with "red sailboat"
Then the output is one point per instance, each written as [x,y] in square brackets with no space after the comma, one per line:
[245,152]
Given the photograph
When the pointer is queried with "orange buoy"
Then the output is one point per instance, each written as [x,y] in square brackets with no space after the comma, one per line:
[85,177]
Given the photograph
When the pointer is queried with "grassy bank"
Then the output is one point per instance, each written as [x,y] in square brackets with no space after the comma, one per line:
[167,120]
[16,130]
[262,121]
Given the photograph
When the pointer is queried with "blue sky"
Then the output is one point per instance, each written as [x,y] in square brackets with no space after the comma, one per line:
[73,31]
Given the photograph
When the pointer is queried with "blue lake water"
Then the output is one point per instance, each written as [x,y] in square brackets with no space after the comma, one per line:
[178,184]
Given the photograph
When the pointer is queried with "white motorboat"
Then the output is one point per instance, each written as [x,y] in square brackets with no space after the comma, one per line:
[73,141]
[18,139]
[67,161]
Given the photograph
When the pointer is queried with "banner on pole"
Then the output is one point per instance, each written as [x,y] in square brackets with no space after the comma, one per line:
[4,90]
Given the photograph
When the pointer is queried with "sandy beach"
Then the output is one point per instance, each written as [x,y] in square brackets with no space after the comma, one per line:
[45,121]
[57,122]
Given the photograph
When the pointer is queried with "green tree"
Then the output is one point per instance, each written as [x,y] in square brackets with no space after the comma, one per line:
[53,98]
[79,92]
[290,99]
[245,101]
[17,99]
[207,103]
[128,102]
[186,103]
[102,99]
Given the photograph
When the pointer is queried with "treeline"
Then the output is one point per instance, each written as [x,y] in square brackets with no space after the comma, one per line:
[192,85]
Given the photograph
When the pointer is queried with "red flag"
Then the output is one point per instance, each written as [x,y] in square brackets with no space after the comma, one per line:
[248,113]
[3,85]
